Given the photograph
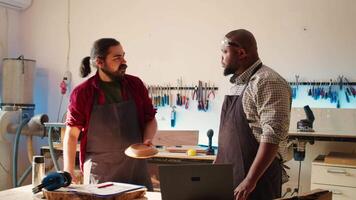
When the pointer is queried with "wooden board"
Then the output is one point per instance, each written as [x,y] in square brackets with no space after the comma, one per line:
[341,158]
[55,195]
[175,137]
[183,149]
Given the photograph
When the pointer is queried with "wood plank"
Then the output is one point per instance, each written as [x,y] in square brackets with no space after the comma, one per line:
[185,148]
[176,137]
[341,158]
[25,193]
[55,195]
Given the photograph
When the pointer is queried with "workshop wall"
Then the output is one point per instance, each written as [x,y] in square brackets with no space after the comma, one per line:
[167,40]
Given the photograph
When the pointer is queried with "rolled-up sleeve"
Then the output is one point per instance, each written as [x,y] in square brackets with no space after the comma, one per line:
[76,110]
[273,103]
[148,110]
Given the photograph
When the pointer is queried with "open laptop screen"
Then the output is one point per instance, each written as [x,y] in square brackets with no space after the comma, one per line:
[196,182]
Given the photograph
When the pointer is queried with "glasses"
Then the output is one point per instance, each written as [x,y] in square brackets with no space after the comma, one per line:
[226,42]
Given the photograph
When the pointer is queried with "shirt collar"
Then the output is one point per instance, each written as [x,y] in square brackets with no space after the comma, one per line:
[245,76]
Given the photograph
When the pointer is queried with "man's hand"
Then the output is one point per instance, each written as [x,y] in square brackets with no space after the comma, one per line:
[75,177]
[265,155]
[69,151]
[243,190]
[150,131]
[148,142]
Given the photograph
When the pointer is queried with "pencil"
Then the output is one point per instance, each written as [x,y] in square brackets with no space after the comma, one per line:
[106,185]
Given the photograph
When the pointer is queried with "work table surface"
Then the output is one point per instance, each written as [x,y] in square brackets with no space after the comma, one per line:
[25,193]
[323,135]
[161,153]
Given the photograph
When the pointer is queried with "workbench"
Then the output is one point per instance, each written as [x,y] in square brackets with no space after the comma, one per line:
[337,136]
[161,157]
[25,193]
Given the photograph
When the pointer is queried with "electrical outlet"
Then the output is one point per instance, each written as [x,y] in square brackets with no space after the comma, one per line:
[67,77]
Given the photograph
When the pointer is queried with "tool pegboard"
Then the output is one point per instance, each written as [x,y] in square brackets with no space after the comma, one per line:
[183,94]
[336,93]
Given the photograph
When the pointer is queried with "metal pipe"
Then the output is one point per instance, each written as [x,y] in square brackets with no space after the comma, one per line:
[24,175]
[37,121]
[51,149]
[28,127]
[11,128]
[15,152]
[33,128]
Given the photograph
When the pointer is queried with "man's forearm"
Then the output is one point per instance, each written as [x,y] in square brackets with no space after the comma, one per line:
[70,148]
[150,130]
[265,155]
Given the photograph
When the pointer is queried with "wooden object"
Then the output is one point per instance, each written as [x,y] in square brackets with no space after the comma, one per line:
[173,138]
[55,195]
[183,149]
[25,193]
[341,158]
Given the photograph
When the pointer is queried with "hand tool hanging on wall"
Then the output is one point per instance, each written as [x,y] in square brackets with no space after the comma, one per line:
[295,87]
[149,90]
[152,95]
[211,93]
[351,89]
[310,89]
[167,95]
[184,98]
[158,96]
[173,116]
[322,91]
[340,78]
[178,98]
[179,93]
[206,100]
[326,95]
[200,96]
[170,96]
[332,91]
[195,93]
[162,95]
[347,97]
[294,91]
[186,105]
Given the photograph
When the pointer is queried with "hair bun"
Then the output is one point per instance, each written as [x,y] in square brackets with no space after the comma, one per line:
[85,67]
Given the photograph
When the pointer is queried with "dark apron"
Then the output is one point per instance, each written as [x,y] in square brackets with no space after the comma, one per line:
[238,146]
[113,128]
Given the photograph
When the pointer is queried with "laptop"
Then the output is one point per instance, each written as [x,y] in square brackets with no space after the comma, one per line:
[196,182]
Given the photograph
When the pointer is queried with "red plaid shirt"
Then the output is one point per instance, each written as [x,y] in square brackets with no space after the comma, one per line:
[82,100]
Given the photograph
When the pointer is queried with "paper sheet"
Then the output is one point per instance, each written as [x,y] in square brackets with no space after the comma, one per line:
[116,188]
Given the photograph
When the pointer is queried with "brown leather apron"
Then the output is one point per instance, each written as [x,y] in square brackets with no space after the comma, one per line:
[238,146]
[113,128]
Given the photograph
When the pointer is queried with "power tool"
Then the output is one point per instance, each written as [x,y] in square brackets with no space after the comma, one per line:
[306,125]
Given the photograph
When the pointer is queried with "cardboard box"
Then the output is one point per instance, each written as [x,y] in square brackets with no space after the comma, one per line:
[317,194]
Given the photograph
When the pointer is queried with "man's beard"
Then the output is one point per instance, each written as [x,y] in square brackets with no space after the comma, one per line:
[229,70]
[117,75]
